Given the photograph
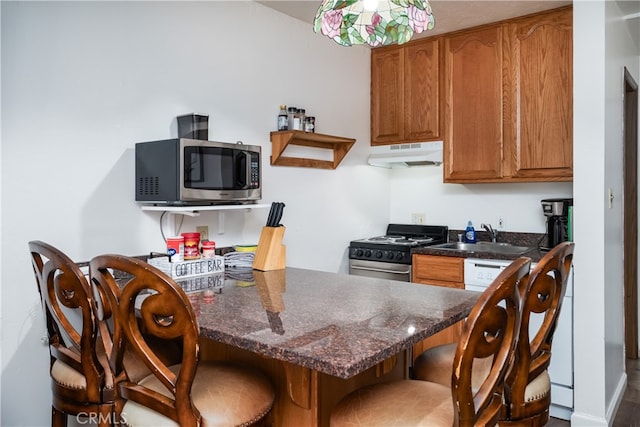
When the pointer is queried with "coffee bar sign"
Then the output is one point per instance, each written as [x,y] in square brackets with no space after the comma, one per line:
[214,282]
[191,268]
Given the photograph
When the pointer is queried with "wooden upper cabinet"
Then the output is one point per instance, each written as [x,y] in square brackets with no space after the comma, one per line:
[405,92]
[499,95]
[508,96]
[539,125]
[387,95]
[422,90]
[473,105]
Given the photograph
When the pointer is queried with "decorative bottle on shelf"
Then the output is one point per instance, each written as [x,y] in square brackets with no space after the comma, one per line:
[283,122]
[302,113]
[309,124]
[291,113]
[470,233]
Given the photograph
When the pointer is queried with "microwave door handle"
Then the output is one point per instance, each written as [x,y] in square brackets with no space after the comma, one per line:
[247,169]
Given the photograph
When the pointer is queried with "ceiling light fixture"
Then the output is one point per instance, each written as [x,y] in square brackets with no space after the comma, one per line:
[374,22]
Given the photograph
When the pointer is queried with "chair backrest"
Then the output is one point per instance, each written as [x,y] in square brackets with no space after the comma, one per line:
[67,300]
[543,296]
[141,310]
[491,331]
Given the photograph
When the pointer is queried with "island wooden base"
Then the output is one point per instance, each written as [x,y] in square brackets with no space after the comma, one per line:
[304,397]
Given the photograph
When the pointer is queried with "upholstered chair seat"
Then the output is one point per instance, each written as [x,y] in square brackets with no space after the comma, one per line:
[225,395]
[70,378]
[435,366]
[409,400]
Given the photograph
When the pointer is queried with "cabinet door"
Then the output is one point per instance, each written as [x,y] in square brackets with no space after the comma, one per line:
[440,271]
[387,95]
[422,90]
[473,77]
[540,122]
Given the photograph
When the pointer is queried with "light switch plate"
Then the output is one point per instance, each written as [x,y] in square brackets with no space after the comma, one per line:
[204,232]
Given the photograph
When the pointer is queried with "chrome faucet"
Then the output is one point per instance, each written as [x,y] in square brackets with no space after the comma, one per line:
[493,233]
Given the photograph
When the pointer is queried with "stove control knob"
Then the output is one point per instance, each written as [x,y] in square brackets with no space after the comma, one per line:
[367,253]
[399,256]
[378,254]
[390,255]
[359,252]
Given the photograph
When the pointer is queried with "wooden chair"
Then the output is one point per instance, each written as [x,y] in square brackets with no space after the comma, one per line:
[81,381]
[491,331]
[528,385]
[149,304]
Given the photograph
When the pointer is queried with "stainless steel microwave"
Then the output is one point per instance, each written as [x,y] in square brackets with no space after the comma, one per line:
[185,171]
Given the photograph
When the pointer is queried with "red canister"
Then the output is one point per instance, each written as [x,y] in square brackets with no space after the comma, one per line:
[175,248]
[208,249]
[191,246]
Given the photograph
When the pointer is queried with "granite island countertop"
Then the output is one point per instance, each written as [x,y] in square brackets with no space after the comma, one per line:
[337,324]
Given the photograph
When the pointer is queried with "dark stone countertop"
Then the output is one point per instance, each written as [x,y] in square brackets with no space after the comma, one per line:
[337,324]
[531,240]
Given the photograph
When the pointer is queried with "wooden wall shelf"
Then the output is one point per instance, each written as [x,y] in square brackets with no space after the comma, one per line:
[280,140]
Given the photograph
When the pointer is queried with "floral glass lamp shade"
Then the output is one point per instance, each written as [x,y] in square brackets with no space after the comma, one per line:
[374,22]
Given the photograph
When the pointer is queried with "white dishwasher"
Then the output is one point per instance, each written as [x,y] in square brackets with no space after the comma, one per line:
[478,275]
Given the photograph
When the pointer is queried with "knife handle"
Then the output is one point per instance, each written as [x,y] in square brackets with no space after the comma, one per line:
[271,217]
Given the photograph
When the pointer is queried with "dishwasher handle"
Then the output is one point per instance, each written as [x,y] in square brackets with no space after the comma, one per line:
[494,266]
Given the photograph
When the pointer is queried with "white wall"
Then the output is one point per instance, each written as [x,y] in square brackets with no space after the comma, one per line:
[603,45]
[83,81]
[420,190]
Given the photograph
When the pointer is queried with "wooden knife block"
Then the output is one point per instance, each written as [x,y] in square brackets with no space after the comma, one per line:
[271,253]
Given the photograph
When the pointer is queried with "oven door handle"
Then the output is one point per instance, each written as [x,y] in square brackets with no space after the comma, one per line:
[380,270]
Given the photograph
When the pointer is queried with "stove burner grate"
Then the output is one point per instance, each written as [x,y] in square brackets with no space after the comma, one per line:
[399,240]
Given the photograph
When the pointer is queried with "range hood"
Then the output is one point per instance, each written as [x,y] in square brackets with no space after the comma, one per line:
[406,155]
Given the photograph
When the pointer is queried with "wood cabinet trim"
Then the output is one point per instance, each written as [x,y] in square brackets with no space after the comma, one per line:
[440,269]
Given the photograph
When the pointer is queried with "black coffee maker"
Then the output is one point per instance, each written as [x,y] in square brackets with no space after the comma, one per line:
[557,213]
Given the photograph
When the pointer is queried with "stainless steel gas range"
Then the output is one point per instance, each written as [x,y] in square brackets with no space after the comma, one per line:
[389,256]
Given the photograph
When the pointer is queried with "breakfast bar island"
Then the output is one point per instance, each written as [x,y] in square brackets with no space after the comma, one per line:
[318,335]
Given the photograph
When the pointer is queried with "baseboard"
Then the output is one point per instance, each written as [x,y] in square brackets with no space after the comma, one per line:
[617,397]
[587,420]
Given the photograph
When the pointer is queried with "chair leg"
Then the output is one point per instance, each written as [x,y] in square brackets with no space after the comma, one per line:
[58,419]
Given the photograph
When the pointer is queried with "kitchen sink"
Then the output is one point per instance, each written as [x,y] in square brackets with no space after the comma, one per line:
[492,247]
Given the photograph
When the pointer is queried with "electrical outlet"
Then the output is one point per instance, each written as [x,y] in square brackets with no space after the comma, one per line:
[418,218]
[204,232]
[500,223]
